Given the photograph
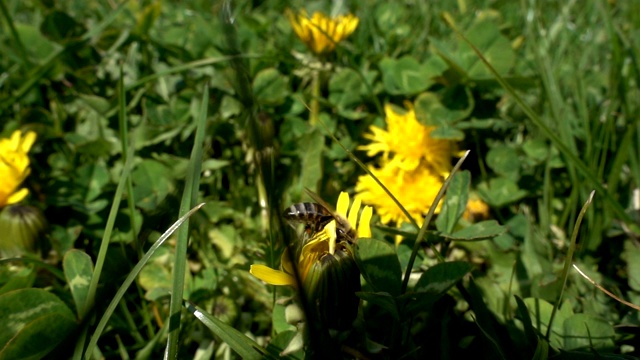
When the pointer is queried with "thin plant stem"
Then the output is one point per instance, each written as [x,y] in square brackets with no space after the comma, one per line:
[425,224]
[568,261]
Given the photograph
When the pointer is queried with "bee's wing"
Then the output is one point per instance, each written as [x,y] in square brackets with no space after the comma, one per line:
[321,201]
[340,219]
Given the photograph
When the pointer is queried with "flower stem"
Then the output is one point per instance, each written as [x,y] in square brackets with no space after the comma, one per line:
[314,106]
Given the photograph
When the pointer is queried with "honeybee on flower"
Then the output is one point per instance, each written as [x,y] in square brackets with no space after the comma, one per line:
[325,265]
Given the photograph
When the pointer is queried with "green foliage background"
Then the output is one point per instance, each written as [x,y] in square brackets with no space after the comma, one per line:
[164,84]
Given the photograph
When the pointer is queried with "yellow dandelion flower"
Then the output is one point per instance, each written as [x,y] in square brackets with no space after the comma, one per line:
[407,144]
[14,166]
[321,33]
[321,245]
[416,190]
[476,209]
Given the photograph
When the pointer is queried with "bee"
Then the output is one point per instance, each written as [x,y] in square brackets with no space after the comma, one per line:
[315,216]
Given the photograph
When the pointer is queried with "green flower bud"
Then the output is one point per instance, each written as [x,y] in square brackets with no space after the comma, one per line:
[331,285]
[20,227]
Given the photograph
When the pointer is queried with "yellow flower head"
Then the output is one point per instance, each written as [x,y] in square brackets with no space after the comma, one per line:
[407,144]
[14,166]
[476,209]
[416,190]
[322,244]
[321,33]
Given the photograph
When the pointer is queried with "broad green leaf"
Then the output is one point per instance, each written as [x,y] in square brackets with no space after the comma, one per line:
[90,180]
[152,184]
[431,111]
[347,91]
[406,76]
[383,300]
[447,132]
[14,280]
[504,161]
[34,322]
[485,35]
[229,107]
[38,47]
[442,276]
[279,320]
[270,87]
[155,277]
[389,18]
[241,344]
[586,331]
[225,238]
[540,311]
[546,286]
[78,269]
[310,150]
[97,103]
[455,203]
[537,150]
[434,283]
[479,231]
[291,130]
[496,48]
[379,265]
[500,191]
[631,255]
[284,341]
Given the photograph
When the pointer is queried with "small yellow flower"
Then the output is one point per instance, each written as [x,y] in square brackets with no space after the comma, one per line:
[416,190]
[321,245]
[476,209]
[407,144]
[14,166]
[321,33]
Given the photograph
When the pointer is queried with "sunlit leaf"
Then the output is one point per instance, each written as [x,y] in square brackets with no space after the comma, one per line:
[35,322]
[78,269]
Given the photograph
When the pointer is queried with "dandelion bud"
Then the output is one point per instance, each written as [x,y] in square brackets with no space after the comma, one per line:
[331,285]
[20,227]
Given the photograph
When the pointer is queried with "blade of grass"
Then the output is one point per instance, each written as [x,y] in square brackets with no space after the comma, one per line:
[124,136]
[548,132]
[189,196]
[106,236]
[131,278]
[568,261]
[189,66]
[14,33]
[102,252]
[607,292]
[240,343]
[427,220]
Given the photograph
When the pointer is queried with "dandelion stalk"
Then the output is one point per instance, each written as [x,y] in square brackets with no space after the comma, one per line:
[314,106]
